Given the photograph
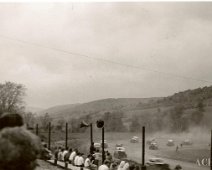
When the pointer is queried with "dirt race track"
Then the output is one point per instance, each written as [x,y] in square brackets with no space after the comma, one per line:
[186,156]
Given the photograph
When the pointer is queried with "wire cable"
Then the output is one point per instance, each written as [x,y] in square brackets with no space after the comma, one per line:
[105,60]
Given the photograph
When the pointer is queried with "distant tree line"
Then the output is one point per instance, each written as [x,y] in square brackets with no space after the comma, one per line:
[177,119]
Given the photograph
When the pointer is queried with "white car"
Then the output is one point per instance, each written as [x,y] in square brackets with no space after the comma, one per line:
[153,146]
[97,146]
[170,142]
[155,161]
[134,139]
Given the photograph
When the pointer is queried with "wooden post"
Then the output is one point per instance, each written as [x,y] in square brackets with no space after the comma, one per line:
[103,145]
[66,142]
[49,141]
[91,133]
[143,149]
[211,152]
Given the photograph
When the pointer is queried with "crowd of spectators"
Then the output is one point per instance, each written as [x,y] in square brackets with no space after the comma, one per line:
[92,161]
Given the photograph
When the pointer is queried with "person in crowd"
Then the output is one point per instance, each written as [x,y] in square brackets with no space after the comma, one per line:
[178,167]
[45,152]
[66,157]
[105,165]
[58,149]
[19,149]
[92,148]
[113,166]
[121,165]
[75,160]
[108,156]
[97,157]
[80,161]
[64,153]
[132,167]
[10,120]
[89,163]
[60,154]
[72,156]
[126,166]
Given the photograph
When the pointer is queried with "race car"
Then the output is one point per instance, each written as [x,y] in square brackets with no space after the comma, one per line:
[157,163]
[153,146]
[97,146]
[120,152]
[134,139]
[148,142]
[170,142]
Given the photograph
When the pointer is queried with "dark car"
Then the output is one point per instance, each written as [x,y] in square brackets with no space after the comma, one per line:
[157,163]
[120,153]
[153,146]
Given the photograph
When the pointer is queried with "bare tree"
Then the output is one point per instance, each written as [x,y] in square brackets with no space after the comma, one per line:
[11,97]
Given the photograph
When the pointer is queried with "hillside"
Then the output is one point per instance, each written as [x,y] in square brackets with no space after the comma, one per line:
[148,111]
[78,110]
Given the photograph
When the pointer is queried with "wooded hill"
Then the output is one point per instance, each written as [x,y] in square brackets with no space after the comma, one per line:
[176,113]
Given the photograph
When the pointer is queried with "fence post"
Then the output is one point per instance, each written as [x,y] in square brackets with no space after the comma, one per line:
[66,142]
[66,165]
[143,167]
[211,152]
[103,145]
[49,145]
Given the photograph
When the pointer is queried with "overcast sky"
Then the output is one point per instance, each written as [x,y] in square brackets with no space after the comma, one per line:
[154,43]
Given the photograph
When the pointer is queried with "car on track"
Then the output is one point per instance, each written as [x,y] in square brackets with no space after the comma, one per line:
[157,163]
[134,139]
[120,152]
[153,146]
[97,146]
[149,141]
[170,142]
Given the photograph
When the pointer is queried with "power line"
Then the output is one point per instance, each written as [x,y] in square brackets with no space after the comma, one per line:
[105,60]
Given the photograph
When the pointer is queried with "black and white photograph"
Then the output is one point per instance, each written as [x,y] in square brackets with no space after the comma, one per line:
[106,85]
